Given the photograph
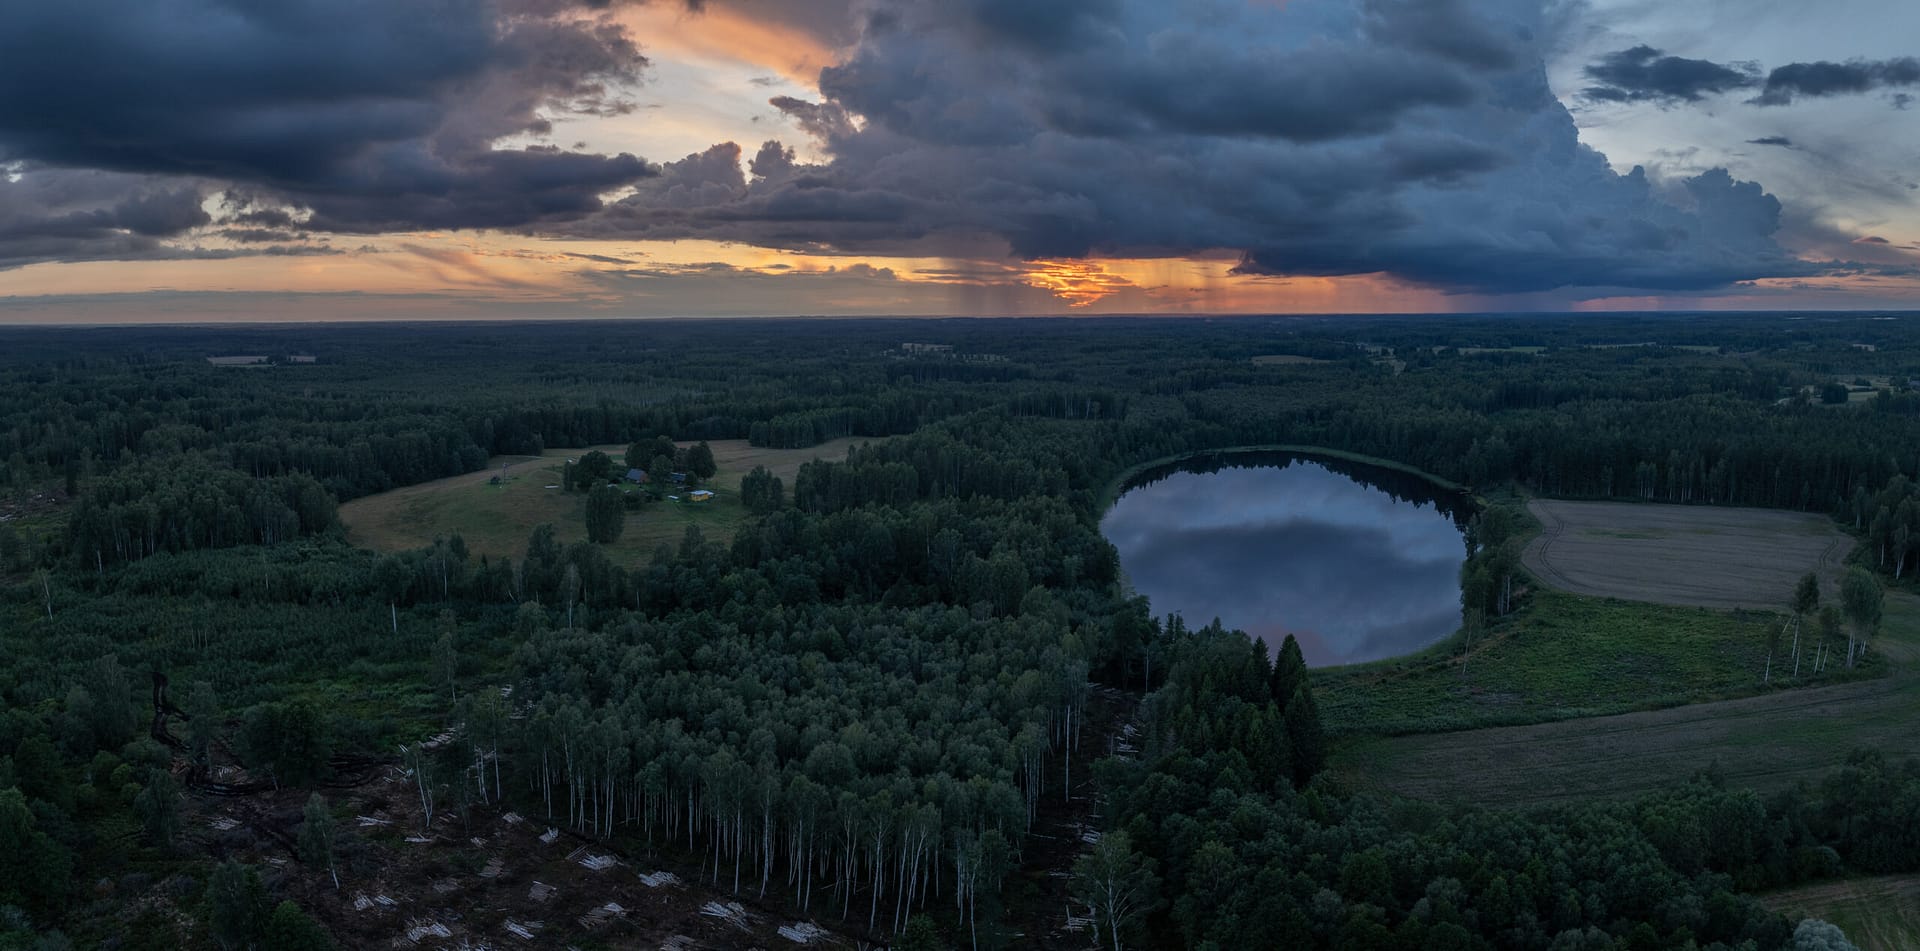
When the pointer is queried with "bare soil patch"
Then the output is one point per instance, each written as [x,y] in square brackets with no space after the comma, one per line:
[501,881]
[32,504]
[1695,556]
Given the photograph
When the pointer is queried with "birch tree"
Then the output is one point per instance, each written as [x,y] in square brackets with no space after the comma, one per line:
[1831,629]
[1118,887]
[1806,600]
[317,837]
[420,764]
[570,586]
[1860,597]
[446,656]
[44,581]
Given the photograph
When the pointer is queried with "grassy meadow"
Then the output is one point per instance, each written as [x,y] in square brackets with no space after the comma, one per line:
[1768,741]
[495,520]
[1560,656]
[1878,914]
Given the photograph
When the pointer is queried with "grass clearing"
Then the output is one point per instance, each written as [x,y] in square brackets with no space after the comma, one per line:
[495,520]
[1559,657]
[1878,914]
[1698,556]
[1766,742]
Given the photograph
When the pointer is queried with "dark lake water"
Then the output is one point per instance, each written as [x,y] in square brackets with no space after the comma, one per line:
[1357,562]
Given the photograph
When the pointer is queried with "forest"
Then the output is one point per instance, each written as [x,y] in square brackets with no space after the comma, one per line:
[872,704]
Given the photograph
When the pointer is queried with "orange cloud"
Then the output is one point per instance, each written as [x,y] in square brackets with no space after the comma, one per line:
[1079,283]
[723,33]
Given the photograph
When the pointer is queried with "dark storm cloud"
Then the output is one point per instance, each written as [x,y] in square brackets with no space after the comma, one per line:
[1085,68]
[1645,74]
[368,113]
[1417,138]
[1453,29]
[89,215]
[1780,141]
[1328,137]
[1822,79]
[1724,237]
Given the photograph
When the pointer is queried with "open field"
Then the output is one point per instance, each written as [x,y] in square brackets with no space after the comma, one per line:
[1683,555]
[495,520]
[1765,742]
[1878,914]
[1559,657]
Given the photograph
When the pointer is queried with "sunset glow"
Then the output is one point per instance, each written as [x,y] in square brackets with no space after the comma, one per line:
[568,167]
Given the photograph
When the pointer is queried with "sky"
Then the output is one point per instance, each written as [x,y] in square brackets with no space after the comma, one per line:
[299,160]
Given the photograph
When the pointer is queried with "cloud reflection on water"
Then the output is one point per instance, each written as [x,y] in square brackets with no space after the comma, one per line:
[1292,546]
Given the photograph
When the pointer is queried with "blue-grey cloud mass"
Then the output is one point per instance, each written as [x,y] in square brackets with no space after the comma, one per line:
[1412,138]
[1323,137]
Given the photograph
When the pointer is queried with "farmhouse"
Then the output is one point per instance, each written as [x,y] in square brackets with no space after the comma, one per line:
[636,476]
[701,495]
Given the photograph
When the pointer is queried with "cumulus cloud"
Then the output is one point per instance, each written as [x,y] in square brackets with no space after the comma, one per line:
[1417,138]
[1325,137]
[1645,74]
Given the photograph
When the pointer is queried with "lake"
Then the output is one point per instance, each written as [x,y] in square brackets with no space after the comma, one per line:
[1358,562]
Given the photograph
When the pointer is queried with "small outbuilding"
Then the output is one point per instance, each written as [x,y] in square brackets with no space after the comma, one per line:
[701,495]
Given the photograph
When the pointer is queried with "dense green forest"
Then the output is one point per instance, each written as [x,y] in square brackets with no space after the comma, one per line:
[861,705]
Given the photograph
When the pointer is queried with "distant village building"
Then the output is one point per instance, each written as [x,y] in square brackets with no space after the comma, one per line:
[260,359]
[701,495]
[927,347]
[677,478]
[636,476]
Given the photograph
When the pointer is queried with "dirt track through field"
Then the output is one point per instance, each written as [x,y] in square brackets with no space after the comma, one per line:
[1694,556]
